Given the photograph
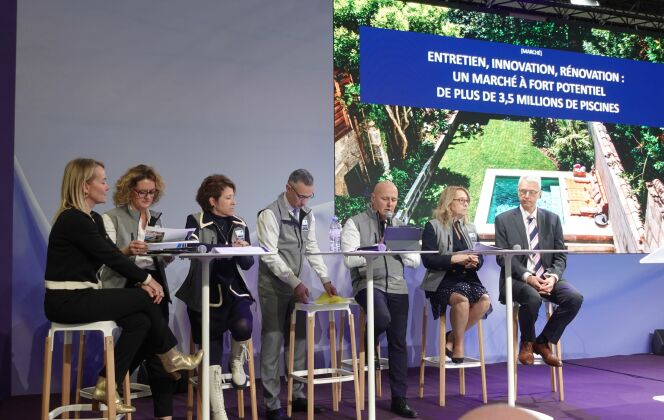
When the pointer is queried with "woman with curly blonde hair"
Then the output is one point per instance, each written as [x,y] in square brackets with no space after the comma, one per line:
[136,191]
[451,278]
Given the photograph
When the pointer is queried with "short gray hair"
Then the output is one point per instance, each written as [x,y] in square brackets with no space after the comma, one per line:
[301,175]
[531,179]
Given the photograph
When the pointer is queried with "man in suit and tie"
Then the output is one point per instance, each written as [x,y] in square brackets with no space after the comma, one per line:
[536,276]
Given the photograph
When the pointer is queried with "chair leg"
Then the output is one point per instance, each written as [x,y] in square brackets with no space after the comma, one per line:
[79,371]
[561,389]
[356,368]
[340,347]
[333,360]
[552,370]
[480,339]
[127,393]
[199,395]
[240,403]
[363,356]
[311,322]
[441,360]
[66,372]
[252,380]
[379,375]
[46,384]
[291,360]
[110,376]
[420,391]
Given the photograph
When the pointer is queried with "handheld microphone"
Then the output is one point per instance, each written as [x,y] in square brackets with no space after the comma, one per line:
[388,218]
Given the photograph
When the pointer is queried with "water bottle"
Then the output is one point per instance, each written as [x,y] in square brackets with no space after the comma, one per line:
[335,235]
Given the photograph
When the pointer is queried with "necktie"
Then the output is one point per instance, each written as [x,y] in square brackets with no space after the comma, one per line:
[533,237]
[296,214]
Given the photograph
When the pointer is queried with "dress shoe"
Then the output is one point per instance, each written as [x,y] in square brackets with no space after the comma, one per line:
[549,358]
[99,395]
[400,407]
[300,405]
[277,414]
[173,360]
[526,353]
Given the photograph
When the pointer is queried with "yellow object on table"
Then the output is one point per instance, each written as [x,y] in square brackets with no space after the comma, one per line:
[325,299]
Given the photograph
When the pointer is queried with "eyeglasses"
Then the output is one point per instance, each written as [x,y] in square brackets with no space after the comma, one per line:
[145,193]
[526,193]
[300,196]
[462,200]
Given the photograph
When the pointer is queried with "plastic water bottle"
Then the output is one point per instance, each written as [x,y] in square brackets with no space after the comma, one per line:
[335,235]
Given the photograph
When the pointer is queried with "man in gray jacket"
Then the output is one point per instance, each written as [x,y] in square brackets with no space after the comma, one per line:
[390,288]
[286,226]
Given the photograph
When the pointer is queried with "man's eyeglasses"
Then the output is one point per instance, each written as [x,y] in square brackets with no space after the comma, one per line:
[526,193]
[145,193]
[461,200]
[300,196]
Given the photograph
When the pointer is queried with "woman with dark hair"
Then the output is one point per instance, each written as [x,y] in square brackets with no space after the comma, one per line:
[451,279]
[137,190]
[230,299]
[77,248]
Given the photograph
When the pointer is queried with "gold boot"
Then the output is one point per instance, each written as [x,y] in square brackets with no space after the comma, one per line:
[99,395]
[173,360]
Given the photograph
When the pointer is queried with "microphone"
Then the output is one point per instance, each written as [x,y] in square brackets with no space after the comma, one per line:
[388,218]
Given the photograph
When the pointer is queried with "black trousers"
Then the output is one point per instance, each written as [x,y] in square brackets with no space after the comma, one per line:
[140,319]
[564,295]
[162,384]
[391,316]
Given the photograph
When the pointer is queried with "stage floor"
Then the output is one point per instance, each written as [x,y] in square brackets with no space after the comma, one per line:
[618,387]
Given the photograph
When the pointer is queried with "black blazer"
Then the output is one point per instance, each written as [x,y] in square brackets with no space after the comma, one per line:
[510,231]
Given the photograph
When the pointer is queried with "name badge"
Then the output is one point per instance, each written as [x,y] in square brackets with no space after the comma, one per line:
[472,236]
[239,234]
[305,225]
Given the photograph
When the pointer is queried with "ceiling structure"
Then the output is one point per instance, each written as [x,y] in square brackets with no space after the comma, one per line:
[640,16]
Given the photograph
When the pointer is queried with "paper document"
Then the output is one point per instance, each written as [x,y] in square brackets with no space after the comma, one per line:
[230,250]
[484,247]
[325,299]
[161,234]
[160,246]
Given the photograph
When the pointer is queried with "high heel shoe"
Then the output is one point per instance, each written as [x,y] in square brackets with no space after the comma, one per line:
[99,395]
[173,360]
[449,353]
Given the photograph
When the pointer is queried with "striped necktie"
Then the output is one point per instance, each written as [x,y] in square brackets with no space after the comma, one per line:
[533,238]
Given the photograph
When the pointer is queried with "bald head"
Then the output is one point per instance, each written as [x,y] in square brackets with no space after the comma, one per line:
[384,198]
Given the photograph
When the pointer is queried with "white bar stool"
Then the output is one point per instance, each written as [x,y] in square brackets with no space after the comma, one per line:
[443,362]
[106,328]
[555,373]
[337,374]
[383,362]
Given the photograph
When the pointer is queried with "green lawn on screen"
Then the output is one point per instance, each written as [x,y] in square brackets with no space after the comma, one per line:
[501,145]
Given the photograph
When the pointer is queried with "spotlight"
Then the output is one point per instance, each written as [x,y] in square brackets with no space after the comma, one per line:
[587,3]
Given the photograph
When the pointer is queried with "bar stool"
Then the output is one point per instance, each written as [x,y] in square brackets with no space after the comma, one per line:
[338,374]
[442,362]
[226,378]
[106,328]
[383,362]
[555,373]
